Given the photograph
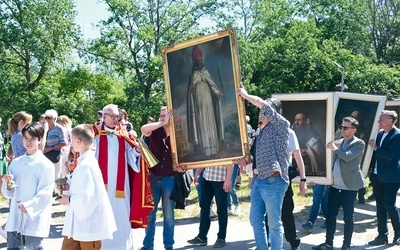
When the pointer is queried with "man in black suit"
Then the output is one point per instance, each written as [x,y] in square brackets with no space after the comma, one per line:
[385,176]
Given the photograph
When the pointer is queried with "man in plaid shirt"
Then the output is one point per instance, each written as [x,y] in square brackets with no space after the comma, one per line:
[216,182]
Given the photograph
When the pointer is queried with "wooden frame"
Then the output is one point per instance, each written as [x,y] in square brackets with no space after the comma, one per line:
[368,108]
[208,125]
[316,113]
[395,106]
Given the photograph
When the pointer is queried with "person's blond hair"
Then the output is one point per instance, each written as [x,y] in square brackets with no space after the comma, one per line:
[84,132]
[13,122]
[66,122]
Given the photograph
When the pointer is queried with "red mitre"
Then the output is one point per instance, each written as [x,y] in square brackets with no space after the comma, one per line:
[197,54]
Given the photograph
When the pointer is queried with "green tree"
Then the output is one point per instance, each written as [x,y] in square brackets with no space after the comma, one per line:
[132,41]
[35,36]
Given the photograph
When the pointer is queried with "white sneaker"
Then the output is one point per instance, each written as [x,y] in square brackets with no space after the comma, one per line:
[236,210]
[230,212]
[3,232]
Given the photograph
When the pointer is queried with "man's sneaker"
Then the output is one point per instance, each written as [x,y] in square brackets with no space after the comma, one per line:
[324,224]
[378,241]
[219,243]
[323,246]
[197,241]
[3,232]
[308,226]
[230,211]
[236,210]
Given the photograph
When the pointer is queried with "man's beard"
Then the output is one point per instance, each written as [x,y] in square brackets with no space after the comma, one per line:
[301,133]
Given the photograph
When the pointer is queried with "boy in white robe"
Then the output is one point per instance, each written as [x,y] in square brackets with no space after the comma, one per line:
[89,217]
[30,206]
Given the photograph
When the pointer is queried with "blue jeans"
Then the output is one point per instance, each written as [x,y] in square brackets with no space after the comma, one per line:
[162,188]
[31,242]
[385,195]
[232,192]
[345,199]
[319,202]
[266,196]
[209,190]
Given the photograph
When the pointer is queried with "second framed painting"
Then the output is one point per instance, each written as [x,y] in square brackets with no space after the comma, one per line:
[311,118]
[366,110]
[201,77]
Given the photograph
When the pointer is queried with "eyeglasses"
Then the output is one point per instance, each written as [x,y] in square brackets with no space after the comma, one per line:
[345,127]
[112,116]
[48,118]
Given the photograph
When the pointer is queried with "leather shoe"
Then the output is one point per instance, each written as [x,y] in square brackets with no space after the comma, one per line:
[323,246]
[379,240]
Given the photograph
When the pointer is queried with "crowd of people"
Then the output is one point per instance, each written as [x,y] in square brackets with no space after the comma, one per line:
[109,187]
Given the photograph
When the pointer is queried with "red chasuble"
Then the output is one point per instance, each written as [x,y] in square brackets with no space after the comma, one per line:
[142,202]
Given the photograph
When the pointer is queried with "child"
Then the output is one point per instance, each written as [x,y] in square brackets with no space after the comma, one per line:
[30,205]
[89,217]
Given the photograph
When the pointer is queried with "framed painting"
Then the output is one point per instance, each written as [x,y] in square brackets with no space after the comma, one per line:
[395,106]
[311,118]
[366,110]
[201,77]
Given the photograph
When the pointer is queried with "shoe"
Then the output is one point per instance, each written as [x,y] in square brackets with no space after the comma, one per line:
[230,212]
[3,232]
[378,241]
[196,241]
[323,224]
[219,243]
[323,246]
[345,247]
[308,226]
[236,210]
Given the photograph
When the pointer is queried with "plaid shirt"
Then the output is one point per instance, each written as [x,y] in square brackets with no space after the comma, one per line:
[272,145]
[215,173]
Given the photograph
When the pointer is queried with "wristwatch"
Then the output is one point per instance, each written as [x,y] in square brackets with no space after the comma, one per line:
[52,147]
[303,179]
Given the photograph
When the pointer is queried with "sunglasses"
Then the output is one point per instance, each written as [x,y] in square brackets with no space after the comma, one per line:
[344,127]
[48,118]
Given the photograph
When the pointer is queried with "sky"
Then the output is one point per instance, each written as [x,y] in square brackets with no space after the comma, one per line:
[90,12]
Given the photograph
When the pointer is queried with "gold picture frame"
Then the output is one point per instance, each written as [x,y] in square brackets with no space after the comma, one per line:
[201,77]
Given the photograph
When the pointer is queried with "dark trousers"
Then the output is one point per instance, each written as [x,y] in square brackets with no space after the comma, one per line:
[340,198]
[385,195]
[289,225]
[209,189]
